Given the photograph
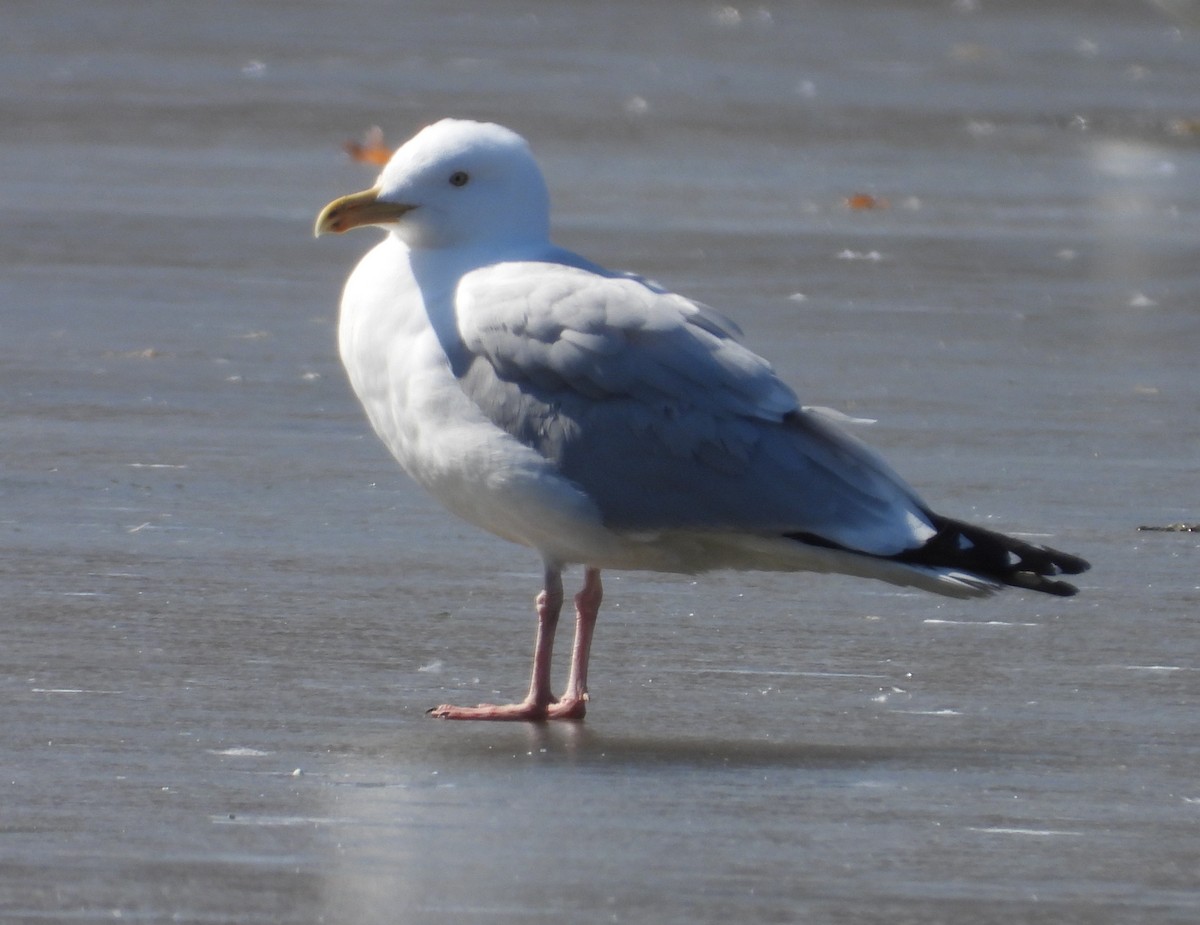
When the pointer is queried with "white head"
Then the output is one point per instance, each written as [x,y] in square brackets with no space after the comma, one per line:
[454,184]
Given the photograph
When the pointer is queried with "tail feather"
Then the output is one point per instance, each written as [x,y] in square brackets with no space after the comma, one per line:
[996,557]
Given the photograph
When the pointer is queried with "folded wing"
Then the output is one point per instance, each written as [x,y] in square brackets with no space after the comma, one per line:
[649,403]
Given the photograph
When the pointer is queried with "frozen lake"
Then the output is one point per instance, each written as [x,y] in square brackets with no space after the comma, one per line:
[224,609]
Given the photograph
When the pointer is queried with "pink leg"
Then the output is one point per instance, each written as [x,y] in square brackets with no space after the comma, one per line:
[573,703]
[540,704]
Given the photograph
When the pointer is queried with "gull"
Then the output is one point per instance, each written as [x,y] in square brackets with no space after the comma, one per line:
[604,421]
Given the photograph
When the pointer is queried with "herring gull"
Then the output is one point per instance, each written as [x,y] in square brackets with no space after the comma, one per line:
[603,420]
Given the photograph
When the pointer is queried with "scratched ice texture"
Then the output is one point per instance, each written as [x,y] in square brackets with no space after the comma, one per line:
[224,610]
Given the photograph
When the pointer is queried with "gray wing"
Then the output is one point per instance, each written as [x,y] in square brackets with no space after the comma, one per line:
[650,404]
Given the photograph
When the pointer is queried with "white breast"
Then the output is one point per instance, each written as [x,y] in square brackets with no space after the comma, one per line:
[402,376]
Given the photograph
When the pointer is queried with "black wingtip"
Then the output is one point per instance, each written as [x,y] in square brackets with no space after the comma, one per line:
[1067,563]
[1034,582]
[998,557]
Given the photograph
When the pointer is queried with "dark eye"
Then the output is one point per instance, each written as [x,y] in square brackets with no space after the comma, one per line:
[459,178]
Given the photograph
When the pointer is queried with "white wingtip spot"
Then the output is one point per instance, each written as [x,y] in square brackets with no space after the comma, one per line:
[921,529]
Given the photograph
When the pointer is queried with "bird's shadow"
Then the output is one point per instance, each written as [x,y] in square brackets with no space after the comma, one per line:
[578,745]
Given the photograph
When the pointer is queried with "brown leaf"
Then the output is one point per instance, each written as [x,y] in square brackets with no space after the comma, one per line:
[371,150]
[859,201]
